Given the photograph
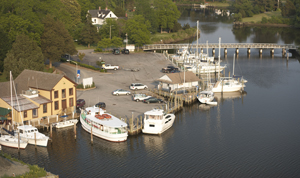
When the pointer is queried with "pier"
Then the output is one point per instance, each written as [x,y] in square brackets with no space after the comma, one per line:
[225,46]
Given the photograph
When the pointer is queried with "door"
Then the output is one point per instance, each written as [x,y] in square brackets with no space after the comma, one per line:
[64,104]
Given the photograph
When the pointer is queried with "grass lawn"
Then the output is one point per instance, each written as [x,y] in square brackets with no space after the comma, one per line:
[257,17]
[218,4]
[82,47]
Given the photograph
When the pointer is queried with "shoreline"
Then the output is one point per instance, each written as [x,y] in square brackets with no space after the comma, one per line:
[247,24]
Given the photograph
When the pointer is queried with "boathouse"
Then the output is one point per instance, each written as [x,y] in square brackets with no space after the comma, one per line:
[178,81]
[39,95]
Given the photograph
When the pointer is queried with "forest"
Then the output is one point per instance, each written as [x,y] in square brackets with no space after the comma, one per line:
[33,31]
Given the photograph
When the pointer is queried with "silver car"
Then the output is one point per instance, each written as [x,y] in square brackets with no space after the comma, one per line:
[121,92]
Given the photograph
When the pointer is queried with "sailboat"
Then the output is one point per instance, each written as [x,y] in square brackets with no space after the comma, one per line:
[229,84]
[11,140]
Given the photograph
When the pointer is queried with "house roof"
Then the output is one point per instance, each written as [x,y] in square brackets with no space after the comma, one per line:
[101,14]
[36,79]
[181,77]
[24,103]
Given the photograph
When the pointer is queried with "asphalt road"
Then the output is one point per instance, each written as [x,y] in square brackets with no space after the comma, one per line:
[149,65]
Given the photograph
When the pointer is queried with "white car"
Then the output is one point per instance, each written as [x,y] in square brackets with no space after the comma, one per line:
[121,92]
[109,66]
[140,97]
[138,86]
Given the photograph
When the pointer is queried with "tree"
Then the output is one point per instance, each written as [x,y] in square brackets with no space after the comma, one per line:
[143,8]
[109,29]
[104,43]
[5,45]
[138,30]
[89,33]
[167,13]
[81,56]
[25,54]
[56,40]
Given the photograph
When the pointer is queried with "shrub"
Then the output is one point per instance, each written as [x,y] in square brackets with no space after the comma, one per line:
[264,20]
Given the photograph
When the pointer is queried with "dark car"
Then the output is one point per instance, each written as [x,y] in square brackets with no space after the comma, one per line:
[80,103]
[169,69]
[116,51]
[102,105]
[153,100]
[175,70]
[125,51]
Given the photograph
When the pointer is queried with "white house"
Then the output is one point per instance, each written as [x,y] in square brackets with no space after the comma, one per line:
[99,16]
[177,81]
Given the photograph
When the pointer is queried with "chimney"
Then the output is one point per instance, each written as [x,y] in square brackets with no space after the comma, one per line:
[99,8]
[126,15]
[106,8]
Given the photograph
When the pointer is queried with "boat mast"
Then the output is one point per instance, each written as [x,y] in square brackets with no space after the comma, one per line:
[11,99]
[233,64]
[219,58]
[197,51]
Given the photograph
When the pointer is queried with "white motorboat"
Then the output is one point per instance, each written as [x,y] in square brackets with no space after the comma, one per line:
[30,134]
[156,121]
[65,123]
[206,97]
[12,142]
[103,125]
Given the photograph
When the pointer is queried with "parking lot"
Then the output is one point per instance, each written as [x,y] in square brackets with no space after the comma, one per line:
[149,65]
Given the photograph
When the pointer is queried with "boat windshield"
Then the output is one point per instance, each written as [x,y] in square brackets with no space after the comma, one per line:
[153,117]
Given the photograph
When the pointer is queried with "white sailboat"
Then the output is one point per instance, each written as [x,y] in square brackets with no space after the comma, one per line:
[156,121]
[12,140]
[229,84]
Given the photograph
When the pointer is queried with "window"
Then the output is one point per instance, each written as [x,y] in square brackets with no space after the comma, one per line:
[63,93]
[70,91]
[55,94]
[25,114]
[71,102]
[44,108]
[56,105]
[34,113]
[94,20]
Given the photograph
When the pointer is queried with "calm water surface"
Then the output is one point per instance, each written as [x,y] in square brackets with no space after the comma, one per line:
[251,135]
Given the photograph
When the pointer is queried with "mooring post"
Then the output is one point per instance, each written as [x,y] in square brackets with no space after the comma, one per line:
[225,51]
[51,132]
[35,139]
[237,51]
[283,52]
[92,134]
[213,51]
[75,131]
[19,142]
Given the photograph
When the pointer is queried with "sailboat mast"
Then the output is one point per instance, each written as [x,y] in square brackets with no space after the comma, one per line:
[233,64]
[219,58]
[197,57]
[11,98]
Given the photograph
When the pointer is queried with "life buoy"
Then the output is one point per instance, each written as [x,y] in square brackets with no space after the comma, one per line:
[99,116]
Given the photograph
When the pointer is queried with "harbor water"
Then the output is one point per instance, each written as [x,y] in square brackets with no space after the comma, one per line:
[254,134]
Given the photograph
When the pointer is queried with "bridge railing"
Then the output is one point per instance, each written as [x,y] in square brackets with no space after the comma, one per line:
[216,45]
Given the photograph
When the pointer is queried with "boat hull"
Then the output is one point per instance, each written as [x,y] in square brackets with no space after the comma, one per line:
[67,123]
[8,141]
[38,142]
[157,130]
[102,134]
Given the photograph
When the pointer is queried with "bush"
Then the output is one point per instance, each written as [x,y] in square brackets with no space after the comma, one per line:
[98,50]
[264,20]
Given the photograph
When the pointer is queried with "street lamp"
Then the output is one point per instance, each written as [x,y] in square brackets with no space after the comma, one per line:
[126,41]
[76,70]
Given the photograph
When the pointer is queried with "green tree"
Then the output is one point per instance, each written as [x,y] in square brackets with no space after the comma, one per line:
[116,41]
[89,33]
[119,11]
[25,54]
[56,40]
[5,45]
[143,7]
[138,30]
[104,43]
[81,56]
[167,13]
[109,29]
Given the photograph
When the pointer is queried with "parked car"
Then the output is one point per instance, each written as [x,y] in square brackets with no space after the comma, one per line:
[153,100]
[121,92]
[140,97]
[125,51]
[168,69]
[80,103]
[175,70]
[138,86]
[109,66]
[101,105]
[116,51]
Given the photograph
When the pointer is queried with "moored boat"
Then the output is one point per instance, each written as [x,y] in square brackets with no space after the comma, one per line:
[12,142]
[206,97]
[156,121]
[65,123]
[103,125]
[30,134]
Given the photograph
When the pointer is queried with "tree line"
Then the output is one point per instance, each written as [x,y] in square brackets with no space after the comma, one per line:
[289,9]
[33,31]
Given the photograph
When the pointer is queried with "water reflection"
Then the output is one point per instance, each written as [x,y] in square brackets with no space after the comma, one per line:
[155,144]
[221,97]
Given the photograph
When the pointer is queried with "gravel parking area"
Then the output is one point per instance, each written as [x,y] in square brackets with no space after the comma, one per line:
[149,65]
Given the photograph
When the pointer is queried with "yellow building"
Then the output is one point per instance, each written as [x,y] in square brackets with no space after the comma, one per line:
[39,95]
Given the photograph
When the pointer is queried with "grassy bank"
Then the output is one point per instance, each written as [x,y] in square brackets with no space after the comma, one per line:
[173,37]
[257,18]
